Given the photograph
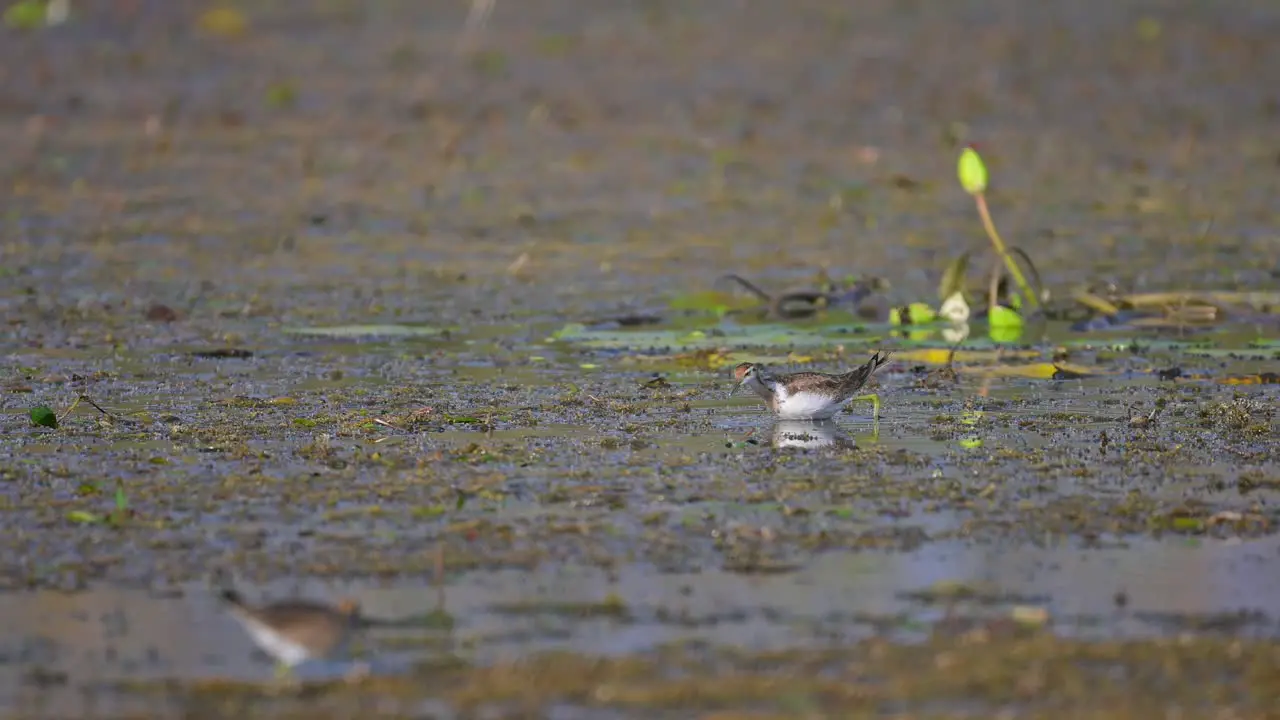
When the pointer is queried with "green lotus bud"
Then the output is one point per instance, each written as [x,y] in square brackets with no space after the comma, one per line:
[972,171]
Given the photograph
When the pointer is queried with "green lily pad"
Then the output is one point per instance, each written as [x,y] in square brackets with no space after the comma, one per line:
[569,332]
[1004,317]
[712,301]
[1005,333]
[742,337]
[917,313]
[44,417]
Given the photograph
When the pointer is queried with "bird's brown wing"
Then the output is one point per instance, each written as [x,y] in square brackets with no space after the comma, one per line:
[290,615]
[811,382]
[831,384]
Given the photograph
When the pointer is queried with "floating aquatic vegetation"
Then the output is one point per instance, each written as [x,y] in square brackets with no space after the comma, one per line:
[361,331]
[42,416]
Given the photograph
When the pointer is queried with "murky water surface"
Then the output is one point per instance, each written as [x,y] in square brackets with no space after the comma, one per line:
[329,309]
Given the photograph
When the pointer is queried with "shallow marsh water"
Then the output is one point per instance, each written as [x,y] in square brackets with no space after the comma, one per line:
[419,256]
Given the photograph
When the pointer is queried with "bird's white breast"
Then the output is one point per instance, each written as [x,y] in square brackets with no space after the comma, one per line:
[276,644]
[805,406]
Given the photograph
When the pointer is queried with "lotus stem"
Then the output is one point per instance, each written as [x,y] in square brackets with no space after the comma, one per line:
[1009,263]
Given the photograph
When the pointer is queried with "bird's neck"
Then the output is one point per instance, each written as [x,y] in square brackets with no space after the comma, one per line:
[764,387]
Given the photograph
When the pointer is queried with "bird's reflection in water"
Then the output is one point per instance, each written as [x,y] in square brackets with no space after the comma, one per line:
[810,434]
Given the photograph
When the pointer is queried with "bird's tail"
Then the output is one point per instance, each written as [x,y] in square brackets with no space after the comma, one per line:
[858,377]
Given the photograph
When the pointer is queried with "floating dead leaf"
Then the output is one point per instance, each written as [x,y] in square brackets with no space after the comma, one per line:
[944,356]
[902,182]
[223,353]
[1040,371]
[1266,378]
[1236,520]
[1095,303]
[710,359]
[626,321]
[1172,321]
[161,313]
[1063,373]
[1260,301]
[945,375]
[1030,615]
[1192,313]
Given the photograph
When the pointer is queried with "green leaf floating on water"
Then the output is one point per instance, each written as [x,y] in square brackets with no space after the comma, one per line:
[972,171]
[1005,325]
[44,417]
[712,301]
[356,331]
[916,313]
[568,331]
[728,336]
[25,15]
[1003,317]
